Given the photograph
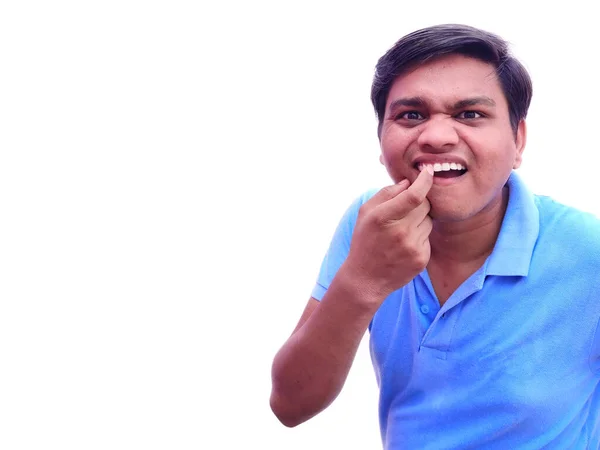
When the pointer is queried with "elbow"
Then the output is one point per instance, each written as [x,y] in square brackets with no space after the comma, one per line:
[287,416]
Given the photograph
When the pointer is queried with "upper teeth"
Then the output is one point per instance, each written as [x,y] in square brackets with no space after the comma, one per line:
[443,167]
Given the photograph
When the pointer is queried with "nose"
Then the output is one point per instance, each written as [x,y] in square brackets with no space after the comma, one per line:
[438,134]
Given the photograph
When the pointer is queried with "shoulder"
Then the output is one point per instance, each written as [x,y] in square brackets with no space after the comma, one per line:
[345,227]
[365,197]
[556,216]
[569,229]
[339,245]
[351,213]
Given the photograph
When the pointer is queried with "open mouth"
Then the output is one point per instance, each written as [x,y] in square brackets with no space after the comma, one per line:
[444,170]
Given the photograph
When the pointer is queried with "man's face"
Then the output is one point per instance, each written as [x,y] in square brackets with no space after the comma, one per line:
[452,113]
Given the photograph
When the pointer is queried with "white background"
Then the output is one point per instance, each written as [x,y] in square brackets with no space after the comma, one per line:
[170,176]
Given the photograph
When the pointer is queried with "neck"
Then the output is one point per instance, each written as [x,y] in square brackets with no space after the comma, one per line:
[469,241]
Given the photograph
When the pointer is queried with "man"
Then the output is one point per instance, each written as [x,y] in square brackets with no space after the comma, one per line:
[481,298]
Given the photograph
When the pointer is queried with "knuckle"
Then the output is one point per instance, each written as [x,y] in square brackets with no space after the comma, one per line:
[413,199]
[401,235]
[378,219]
[363,211]
[421,260]
[428,227]
[418,257]
[426,206]
[388,192]
[413,252]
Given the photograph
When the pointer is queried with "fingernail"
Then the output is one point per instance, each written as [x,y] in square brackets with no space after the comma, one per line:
[429,168]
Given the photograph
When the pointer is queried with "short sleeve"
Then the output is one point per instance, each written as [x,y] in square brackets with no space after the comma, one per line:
[339,246]
[595,351]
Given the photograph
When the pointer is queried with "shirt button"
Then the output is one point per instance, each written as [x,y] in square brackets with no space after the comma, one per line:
[424,309]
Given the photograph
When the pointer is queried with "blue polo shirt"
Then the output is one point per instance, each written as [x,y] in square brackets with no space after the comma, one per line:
[512,359]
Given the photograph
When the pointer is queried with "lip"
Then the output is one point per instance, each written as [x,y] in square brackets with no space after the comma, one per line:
[438,181]
[433,160]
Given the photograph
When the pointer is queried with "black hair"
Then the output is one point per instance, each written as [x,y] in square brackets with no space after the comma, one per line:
[429,43]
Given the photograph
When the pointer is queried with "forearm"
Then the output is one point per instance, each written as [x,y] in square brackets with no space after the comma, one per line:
[310,369]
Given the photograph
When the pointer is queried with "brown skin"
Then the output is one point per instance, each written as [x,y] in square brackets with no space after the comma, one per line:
[449,110]
[390,246]
[467,212]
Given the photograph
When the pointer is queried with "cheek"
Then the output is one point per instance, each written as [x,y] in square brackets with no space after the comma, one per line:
[393,168]
[392,150]
[508,157]
[387,159]
[499,158]
[394,146]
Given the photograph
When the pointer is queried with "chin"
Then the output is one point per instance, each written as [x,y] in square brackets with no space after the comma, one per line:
[448,213]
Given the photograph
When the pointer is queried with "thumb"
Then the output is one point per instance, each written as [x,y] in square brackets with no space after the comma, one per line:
[389,192]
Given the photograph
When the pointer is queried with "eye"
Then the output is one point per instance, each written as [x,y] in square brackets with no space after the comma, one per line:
[410,115]
[469,115]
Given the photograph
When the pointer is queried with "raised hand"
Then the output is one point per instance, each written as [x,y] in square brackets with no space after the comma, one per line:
[390,244]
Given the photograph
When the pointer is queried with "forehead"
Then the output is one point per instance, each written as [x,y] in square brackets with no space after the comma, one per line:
[448,78]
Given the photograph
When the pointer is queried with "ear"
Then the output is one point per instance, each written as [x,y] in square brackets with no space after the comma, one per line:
[520,141]
[381,159]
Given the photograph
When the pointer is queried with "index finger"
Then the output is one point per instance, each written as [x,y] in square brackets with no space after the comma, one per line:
[417,192]
[407,200]
[389,192]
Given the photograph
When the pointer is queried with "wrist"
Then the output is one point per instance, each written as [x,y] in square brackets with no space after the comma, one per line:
[361,289]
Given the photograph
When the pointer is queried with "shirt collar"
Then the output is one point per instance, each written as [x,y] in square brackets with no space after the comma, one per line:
[518,234]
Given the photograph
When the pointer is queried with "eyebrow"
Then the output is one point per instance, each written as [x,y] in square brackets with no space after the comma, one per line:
[419,102]
[413,102]
[473,101]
